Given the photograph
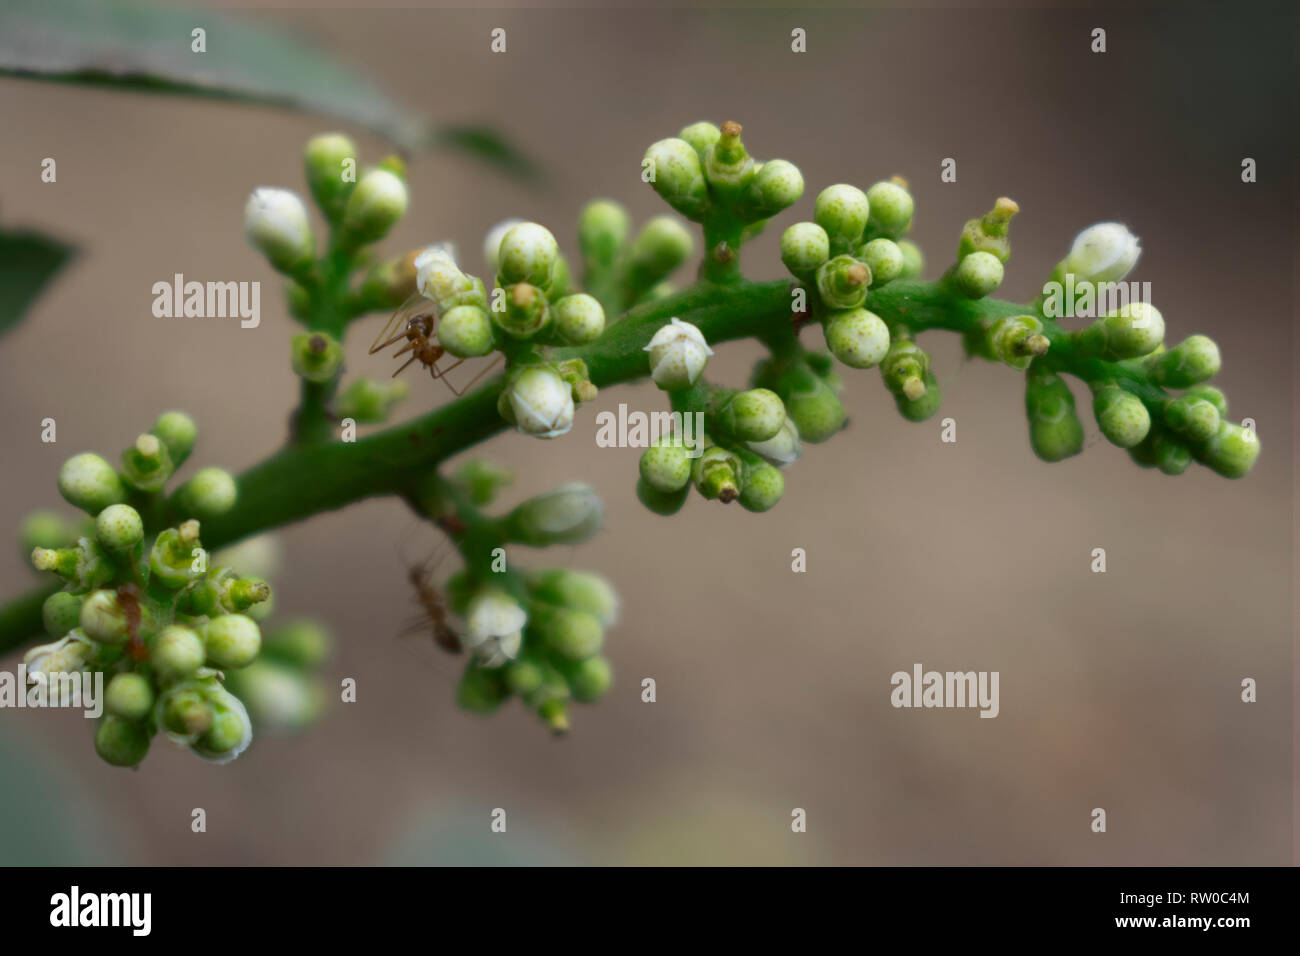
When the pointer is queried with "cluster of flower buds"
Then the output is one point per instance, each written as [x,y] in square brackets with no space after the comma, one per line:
[283,689]
[619,273]
[146,610]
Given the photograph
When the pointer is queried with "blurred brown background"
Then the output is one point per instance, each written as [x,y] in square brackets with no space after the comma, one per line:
[1118,690]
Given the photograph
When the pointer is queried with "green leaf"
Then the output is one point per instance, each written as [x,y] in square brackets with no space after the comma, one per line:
[141,45]
[27,262]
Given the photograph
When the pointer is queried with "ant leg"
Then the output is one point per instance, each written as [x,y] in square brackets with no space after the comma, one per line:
[439,373]
[413,358]
[470,384]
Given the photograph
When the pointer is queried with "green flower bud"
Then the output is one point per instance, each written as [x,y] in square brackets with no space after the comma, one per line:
[386,285]
[666,465]
[857,338]
[528,253]
[674,170]
[172,558]
[375,205]
[326,159]
[913,260]
[589,680]
[466,330]
[1122,417]
[84,566]
[660,247]
[301,643]
[482,689]
[727,165]
[368,401]
[104,619]
[678,354]
[60,613]
[926,402]
[701,137]
[147,465]
[1055,432]
[602,233]
[1132,331]
[574,372]
[231,730]
[576,590]
[891,209]
[209,493]
[232,640]
[88,482]
[526,311]
[811,404]
[755,415]
[989,232]
[804,248]
[579,319]
[573,635]
[538,401]
[492,243]
[777,185]
[1192,416]
[523,676]
[1212,395]
[277,697]
[121,743]
[763,487]
[718,474]
[483,479]
[661,502]
[1164,450]
[129,696]
[903,368]
[275,222]
[884,258]
[978,274]
[119,528]
[842,282]
[1231,451]
[178,432]
[1192,361]
[223,592]
[317,357]
[843,211]
[185,712]
[782,449]
[570,514]
[1017,340]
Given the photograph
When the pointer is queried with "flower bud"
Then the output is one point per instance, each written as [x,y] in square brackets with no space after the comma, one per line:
[209,493]
[755,415]
[119,528]
[231,730]
[762,489]
[184,711]
[482,689]
[701,136]
[277,697]
[326,159]
[60,613]
[602,233]
[368,401]
[718,474]
[989,232]
[727,165]
[172,558]
[857,338]
[678,354]
[1231,451]
[842,282]
[777,185]
[437,276]
[481,480]
[1131,331]
[129,696]
[1017,340]
[676,174]
[105,619]
[177,653]
[224,592]
[664,503]
[660,247]
[811,404]
[1121,416]
[570,514]
[1105,252]
[84,566]
[492,243]
[466,331]
[147,465]
[121,743]
[572,635]
[386,286]
[804,248]
[301,643]
[783,448]
[494,622]
[1055,432]
[579,318]
[843,211]
[913,260]
[539,402]
[525,311]
[1212,395]
[275,222]
[1192,416]
[70,655]
[904,367]
[927,401]
[528,253]
[88,482]
[317,357]
[884,258]
[375,205]
[590,679]
[178,432]
[666,465]
[1192,361]
[891,209]
[232,640]
[978,274]
[577,590]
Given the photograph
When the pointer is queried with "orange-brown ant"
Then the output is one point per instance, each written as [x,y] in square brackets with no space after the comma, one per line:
[416,321]
[433,604]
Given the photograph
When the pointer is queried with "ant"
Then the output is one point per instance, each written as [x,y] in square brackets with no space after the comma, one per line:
[434,607]
[416,321]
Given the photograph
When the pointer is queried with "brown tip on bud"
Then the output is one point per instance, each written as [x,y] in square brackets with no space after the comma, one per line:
[1005,208]
[722,253]
[586,392]
[728,494]
[317,344]
[858,274]
[899,181]
[914,389]
[189,530]
[1038,344]
[731,128]
[522,294]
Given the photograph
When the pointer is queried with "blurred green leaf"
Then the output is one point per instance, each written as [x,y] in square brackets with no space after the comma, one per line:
[140,45]
[27,262]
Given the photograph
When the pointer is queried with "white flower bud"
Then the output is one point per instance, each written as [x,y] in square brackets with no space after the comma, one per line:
[541,402]
[492,243]
[678,354]
[437,276]
[783,448]
[275,221]
[68,655]
[1105,252]
[495,624]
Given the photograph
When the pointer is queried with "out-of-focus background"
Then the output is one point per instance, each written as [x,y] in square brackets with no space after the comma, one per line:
[1118,690]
